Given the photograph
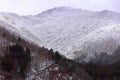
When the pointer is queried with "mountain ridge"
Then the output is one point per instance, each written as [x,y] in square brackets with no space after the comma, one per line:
[70,30]
[90,40]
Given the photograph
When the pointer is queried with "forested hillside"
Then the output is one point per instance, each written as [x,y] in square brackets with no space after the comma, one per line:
[22,60]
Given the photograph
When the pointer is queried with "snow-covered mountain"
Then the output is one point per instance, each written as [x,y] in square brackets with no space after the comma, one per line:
[72,32]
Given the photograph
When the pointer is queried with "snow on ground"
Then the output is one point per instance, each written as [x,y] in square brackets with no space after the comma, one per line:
[70,31]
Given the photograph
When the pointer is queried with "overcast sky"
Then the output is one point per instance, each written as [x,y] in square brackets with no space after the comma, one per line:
[31,7]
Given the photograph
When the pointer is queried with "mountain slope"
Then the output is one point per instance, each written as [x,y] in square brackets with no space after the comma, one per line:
[72,32]
[78,34]
[23,60]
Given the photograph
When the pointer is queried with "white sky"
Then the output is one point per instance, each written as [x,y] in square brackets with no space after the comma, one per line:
[31,7]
